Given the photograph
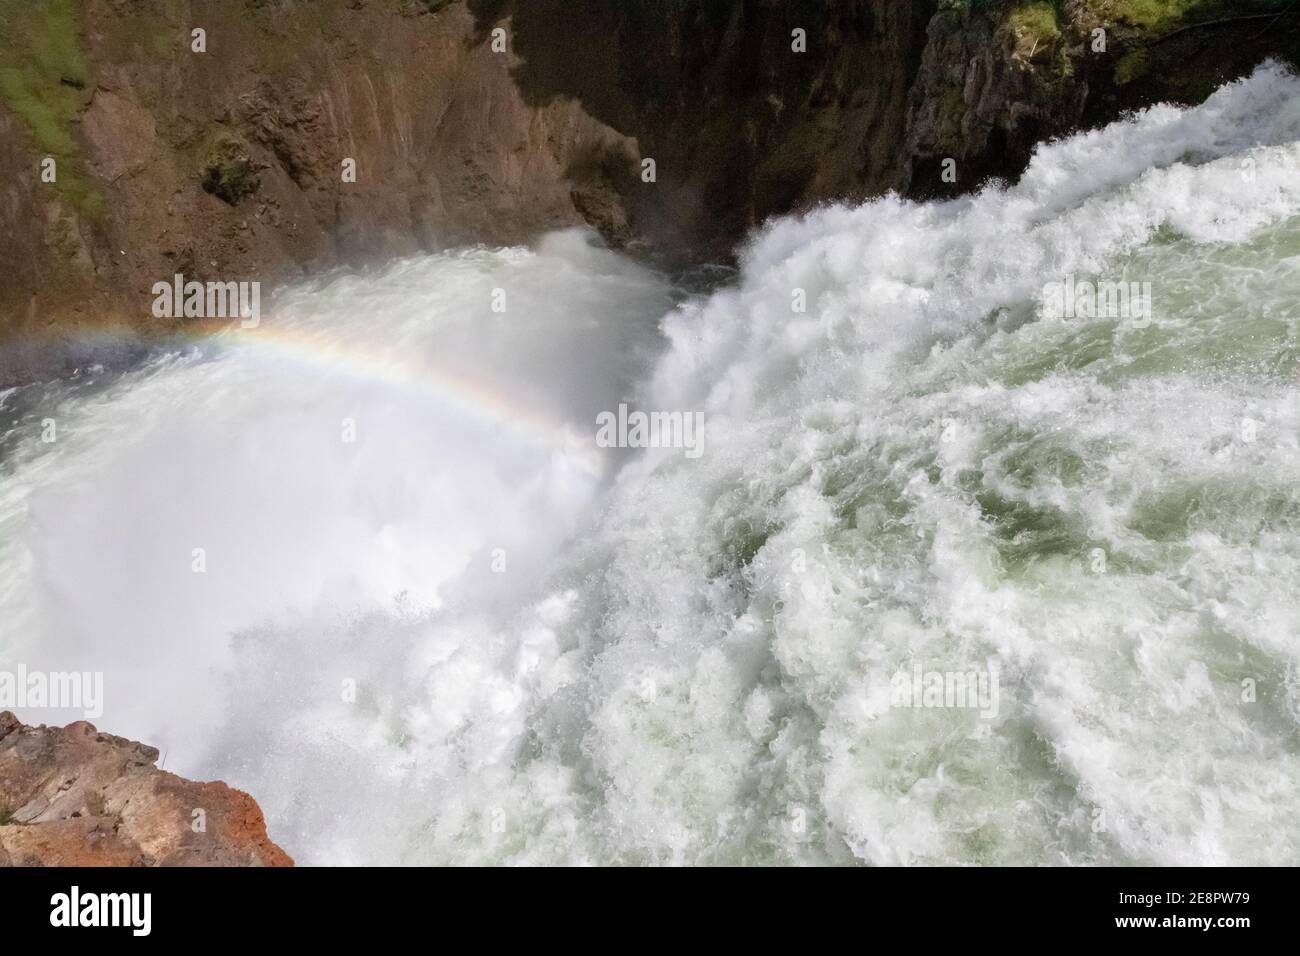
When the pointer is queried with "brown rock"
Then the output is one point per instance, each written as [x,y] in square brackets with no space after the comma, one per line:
[72,796]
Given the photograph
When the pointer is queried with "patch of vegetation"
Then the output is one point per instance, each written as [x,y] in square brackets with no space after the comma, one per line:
[229,174]
[1161,16]
[1037,29]
[1035,25]
[1132,66]
[1148,14]
[6,816]
[1157,20]
[44,81]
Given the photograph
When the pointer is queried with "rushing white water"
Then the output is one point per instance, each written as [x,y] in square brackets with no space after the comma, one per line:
[691,660]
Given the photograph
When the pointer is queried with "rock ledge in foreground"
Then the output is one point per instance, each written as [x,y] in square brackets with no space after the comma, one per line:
[72,796]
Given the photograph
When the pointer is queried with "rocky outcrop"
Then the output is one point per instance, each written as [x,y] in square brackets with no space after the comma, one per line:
[72,796]
[750,109]
[996,79]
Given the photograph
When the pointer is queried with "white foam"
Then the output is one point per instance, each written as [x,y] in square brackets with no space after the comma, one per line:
[919,469]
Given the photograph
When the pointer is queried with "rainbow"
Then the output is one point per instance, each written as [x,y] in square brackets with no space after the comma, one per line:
[472,397]
[469,396]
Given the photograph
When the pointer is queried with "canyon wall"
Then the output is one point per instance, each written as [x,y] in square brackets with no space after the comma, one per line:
[492,120]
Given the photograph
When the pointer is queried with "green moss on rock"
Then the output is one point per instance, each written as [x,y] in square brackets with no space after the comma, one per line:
[1132,66]
[1035,24]
[229,174]
[44,81]
[1162,16]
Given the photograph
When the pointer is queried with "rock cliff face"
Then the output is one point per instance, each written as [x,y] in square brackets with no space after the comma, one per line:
[221,154]
[72,796]
[228,163]
[997,79]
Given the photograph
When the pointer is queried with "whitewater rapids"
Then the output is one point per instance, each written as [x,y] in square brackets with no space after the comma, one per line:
[565,654]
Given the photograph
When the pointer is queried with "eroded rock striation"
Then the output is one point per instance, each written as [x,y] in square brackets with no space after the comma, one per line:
[72,796]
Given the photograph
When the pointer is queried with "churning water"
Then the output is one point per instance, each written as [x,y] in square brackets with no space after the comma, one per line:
[563,655]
